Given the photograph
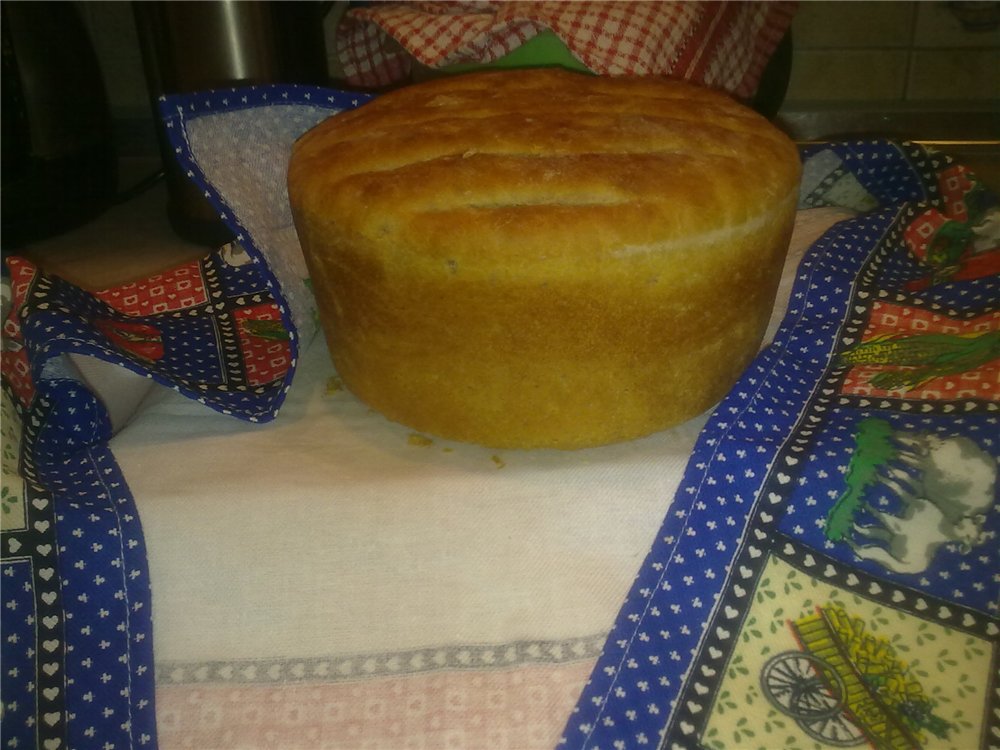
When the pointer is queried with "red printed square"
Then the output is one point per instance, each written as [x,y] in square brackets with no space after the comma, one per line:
[180,288]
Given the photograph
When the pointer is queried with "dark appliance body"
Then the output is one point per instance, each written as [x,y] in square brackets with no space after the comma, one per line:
[195,46]
[58,163]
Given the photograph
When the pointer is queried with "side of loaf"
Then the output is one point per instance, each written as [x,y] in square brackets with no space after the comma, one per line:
[539,258]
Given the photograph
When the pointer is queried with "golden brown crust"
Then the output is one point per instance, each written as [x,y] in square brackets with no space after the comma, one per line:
[541,258]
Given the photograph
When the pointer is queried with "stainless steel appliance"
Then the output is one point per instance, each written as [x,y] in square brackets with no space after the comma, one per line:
[193,46]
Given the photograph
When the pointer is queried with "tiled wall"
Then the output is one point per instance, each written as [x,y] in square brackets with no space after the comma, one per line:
[893,53]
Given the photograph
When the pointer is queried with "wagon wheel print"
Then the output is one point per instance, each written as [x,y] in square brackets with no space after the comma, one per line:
[838,731]
[809,690]
[802,686]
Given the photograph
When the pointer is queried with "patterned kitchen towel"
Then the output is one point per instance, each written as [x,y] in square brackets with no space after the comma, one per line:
[76,643]
[721,45]
[828,574]
[804,505]
[224,330]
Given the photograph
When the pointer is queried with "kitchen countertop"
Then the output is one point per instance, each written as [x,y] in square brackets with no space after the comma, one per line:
[129,241]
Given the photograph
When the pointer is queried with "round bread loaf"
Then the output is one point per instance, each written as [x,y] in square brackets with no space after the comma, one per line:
[540,258]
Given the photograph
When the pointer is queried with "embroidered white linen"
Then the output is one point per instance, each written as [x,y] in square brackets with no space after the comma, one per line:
[333,546]
[332,531]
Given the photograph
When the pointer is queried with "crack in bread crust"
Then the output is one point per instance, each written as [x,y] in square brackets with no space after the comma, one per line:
[544,259]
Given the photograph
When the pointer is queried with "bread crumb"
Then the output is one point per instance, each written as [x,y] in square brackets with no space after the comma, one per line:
[498,461]
[421,440]
[334,385]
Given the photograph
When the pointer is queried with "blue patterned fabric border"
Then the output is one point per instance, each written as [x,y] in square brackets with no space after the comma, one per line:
[76,642]
[234,145]
[806,470]
[76,629]
[758,493]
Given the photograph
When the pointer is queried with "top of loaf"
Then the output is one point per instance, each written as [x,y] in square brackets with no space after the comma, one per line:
[543,163]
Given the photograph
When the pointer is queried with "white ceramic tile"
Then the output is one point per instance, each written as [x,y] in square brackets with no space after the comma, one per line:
[954,74]
[838,24]
[851,75]
[937,26]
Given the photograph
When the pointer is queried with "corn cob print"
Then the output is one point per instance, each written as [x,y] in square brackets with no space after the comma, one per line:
[923,357]
[888,677]
[266,329]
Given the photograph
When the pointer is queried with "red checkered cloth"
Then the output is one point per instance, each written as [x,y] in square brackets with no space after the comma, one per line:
[723,45]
